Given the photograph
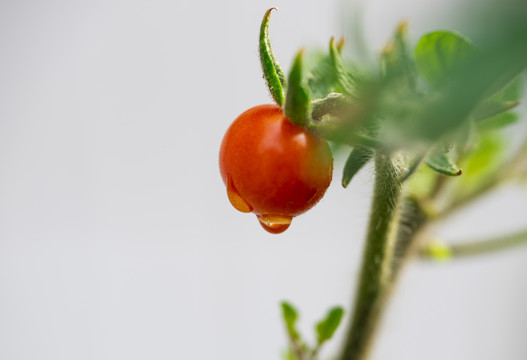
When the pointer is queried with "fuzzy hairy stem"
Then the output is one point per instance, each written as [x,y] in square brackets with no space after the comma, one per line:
[376,271]
[412,221]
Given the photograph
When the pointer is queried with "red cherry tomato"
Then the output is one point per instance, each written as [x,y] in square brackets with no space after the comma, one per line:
[273,168]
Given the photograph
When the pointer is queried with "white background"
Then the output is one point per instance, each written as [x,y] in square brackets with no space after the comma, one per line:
[117,240]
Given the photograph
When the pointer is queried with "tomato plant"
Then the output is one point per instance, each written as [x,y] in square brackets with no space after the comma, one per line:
[426,111]
[272,167]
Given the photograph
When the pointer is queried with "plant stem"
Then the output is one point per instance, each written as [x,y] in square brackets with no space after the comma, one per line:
[375,275]
[412,221]
[482,247]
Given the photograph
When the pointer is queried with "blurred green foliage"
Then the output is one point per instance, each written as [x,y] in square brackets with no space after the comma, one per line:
[325,329]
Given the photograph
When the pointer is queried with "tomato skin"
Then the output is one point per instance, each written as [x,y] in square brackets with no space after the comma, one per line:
[276,167]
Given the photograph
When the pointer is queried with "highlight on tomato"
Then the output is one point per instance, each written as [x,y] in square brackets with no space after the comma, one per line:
[272,167]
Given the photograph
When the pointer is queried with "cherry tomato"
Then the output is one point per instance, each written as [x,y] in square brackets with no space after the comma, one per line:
[272,167]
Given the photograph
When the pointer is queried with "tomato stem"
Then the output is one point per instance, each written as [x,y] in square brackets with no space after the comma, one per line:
[376,269]
[395,226]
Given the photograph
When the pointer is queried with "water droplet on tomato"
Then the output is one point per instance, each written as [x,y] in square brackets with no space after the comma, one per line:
[236,200]
[275,224]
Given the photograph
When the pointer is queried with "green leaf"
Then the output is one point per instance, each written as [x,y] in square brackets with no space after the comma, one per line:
[441,161]
[482,166]
[297,106]
[485,158]
[505,99]
[514,90]
[358,157]
[511,91]
[322,79]
[444,108]
[290,316]
[491,108]
[448,109]
[273,74]
[497,122]
[423,184]
[327,326]
[493,113]
[440,54]
[508,88]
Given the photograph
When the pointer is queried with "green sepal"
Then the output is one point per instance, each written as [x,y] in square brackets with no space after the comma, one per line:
[290,317]
[322,78]
[357,158]
[273,74]
[397,59]
[345,80]
[440,54]
[328,73]
[327,326]
[297,106]
[441,161]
